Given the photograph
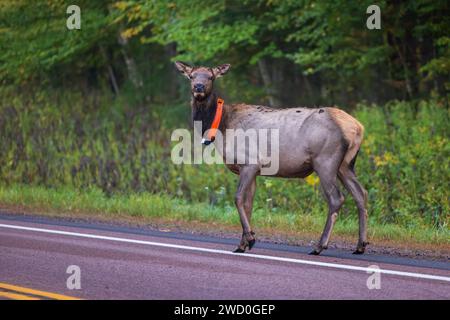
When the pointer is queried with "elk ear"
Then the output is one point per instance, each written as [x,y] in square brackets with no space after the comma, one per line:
[221,70]
[184,68]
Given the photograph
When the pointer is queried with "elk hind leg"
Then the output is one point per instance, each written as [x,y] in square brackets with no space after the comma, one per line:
[359,194]
[335,199]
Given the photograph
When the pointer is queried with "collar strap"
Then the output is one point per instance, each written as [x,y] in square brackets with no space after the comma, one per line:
[211,136]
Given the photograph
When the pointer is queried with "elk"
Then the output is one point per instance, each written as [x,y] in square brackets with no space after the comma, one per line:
[321,140]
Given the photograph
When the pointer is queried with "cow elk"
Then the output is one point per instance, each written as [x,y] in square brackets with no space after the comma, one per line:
[321,140]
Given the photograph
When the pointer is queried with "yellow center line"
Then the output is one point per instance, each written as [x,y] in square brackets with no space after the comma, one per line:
[16,296]
[40,293]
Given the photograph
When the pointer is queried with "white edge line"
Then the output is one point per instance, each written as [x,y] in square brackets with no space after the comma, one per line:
[256,256]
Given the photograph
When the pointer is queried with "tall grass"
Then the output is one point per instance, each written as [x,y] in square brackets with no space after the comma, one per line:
[83,142]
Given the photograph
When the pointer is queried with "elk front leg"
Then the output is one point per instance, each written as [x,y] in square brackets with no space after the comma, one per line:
[248,207]
[244,204]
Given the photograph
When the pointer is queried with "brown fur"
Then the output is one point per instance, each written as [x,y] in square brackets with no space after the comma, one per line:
[351,129]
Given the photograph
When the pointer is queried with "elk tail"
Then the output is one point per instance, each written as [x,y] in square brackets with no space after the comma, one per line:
[352,162]
[353,132]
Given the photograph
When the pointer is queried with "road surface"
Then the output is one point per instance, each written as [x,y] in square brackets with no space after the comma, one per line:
[39,255]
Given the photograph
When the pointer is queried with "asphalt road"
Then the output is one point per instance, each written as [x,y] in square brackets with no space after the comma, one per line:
[130,263]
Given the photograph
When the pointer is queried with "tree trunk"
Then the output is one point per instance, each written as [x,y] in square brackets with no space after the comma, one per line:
[267,80]
[171,51]
[402,58]
[112,76]
[133,73]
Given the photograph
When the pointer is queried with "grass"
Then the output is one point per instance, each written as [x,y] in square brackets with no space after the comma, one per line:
[164,209]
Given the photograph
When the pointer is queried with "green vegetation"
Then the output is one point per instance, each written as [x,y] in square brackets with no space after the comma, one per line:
[86,115]
[124,156]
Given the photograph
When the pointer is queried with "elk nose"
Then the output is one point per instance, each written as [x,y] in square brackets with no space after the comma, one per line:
[198,87]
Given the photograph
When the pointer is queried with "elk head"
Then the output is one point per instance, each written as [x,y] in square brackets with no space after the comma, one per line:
[201,78]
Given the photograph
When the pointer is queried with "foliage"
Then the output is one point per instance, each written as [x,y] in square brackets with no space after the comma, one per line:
[35,41]
[322,47]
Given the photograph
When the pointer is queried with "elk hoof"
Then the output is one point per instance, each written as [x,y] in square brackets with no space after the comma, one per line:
[251,243]
[315,252]
[360,248]
[248,239]
[239,250]
[318,250]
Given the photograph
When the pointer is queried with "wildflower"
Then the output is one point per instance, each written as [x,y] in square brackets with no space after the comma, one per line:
[312,180]
[385,159]
[268,183]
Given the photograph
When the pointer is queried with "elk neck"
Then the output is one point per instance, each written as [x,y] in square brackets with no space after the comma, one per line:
[205,111]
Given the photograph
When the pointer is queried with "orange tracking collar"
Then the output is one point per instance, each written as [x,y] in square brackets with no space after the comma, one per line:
[211,136]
